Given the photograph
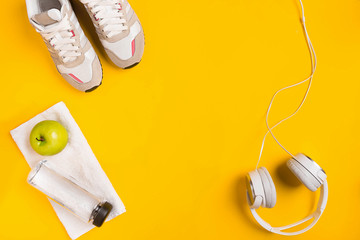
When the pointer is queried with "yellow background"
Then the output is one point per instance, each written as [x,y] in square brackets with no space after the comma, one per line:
[177,134]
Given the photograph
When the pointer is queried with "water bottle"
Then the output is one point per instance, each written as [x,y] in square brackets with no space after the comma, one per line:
[68,194]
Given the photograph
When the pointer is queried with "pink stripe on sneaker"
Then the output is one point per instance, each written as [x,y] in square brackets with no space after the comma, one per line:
[133,47]
[74,77]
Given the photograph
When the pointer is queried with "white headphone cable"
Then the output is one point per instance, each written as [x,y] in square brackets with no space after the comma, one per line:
[313,68]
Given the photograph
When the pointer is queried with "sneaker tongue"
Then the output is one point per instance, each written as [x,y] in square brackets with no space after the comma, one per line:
[48,18]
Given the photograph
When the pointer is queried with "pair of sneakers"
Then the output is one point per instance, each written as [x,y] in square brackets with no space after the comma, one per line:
[116,24]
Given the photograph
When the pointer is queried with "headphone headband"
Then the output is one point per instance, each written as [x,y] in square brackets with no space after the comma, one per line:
[315,215]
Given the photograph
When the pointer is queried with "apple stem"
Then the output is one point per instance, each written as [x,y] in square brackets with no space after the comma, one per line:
[41,139]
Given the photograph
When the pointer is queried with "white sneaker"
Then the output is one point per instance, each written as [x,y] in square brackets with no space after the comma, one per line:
[119,30]
[69,48]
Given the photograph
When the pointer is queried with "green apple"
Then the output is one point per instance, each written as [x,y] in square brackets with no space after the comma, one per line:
[48,137]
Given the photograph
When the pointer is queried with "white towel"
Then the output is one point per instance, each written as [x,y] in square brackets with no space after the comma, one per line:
[77,159]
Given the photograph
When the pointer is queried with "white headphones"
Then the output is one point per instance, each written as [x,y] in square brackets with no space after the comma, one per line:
[260,186]
[261,191]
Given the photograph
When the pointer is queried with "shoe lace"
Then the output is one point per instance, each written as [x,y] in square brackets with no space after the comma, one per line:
[108,15]
[61,38]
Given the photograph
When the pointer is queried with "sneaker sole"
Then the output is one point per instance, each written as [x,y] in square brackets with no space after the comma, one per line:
[93,88]
[133,65]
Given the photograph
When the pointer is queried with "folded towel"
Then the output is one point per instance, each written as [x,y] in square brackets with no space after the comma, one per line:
[77,159]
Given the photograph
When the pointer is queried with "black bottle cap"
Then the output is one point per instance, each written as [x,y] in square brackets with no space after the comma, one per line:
[101,213]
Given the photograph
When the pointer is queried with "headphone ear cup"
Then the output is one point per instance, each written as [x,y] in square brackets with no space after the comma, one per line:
[269,187]
[255,190]
[303,175]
